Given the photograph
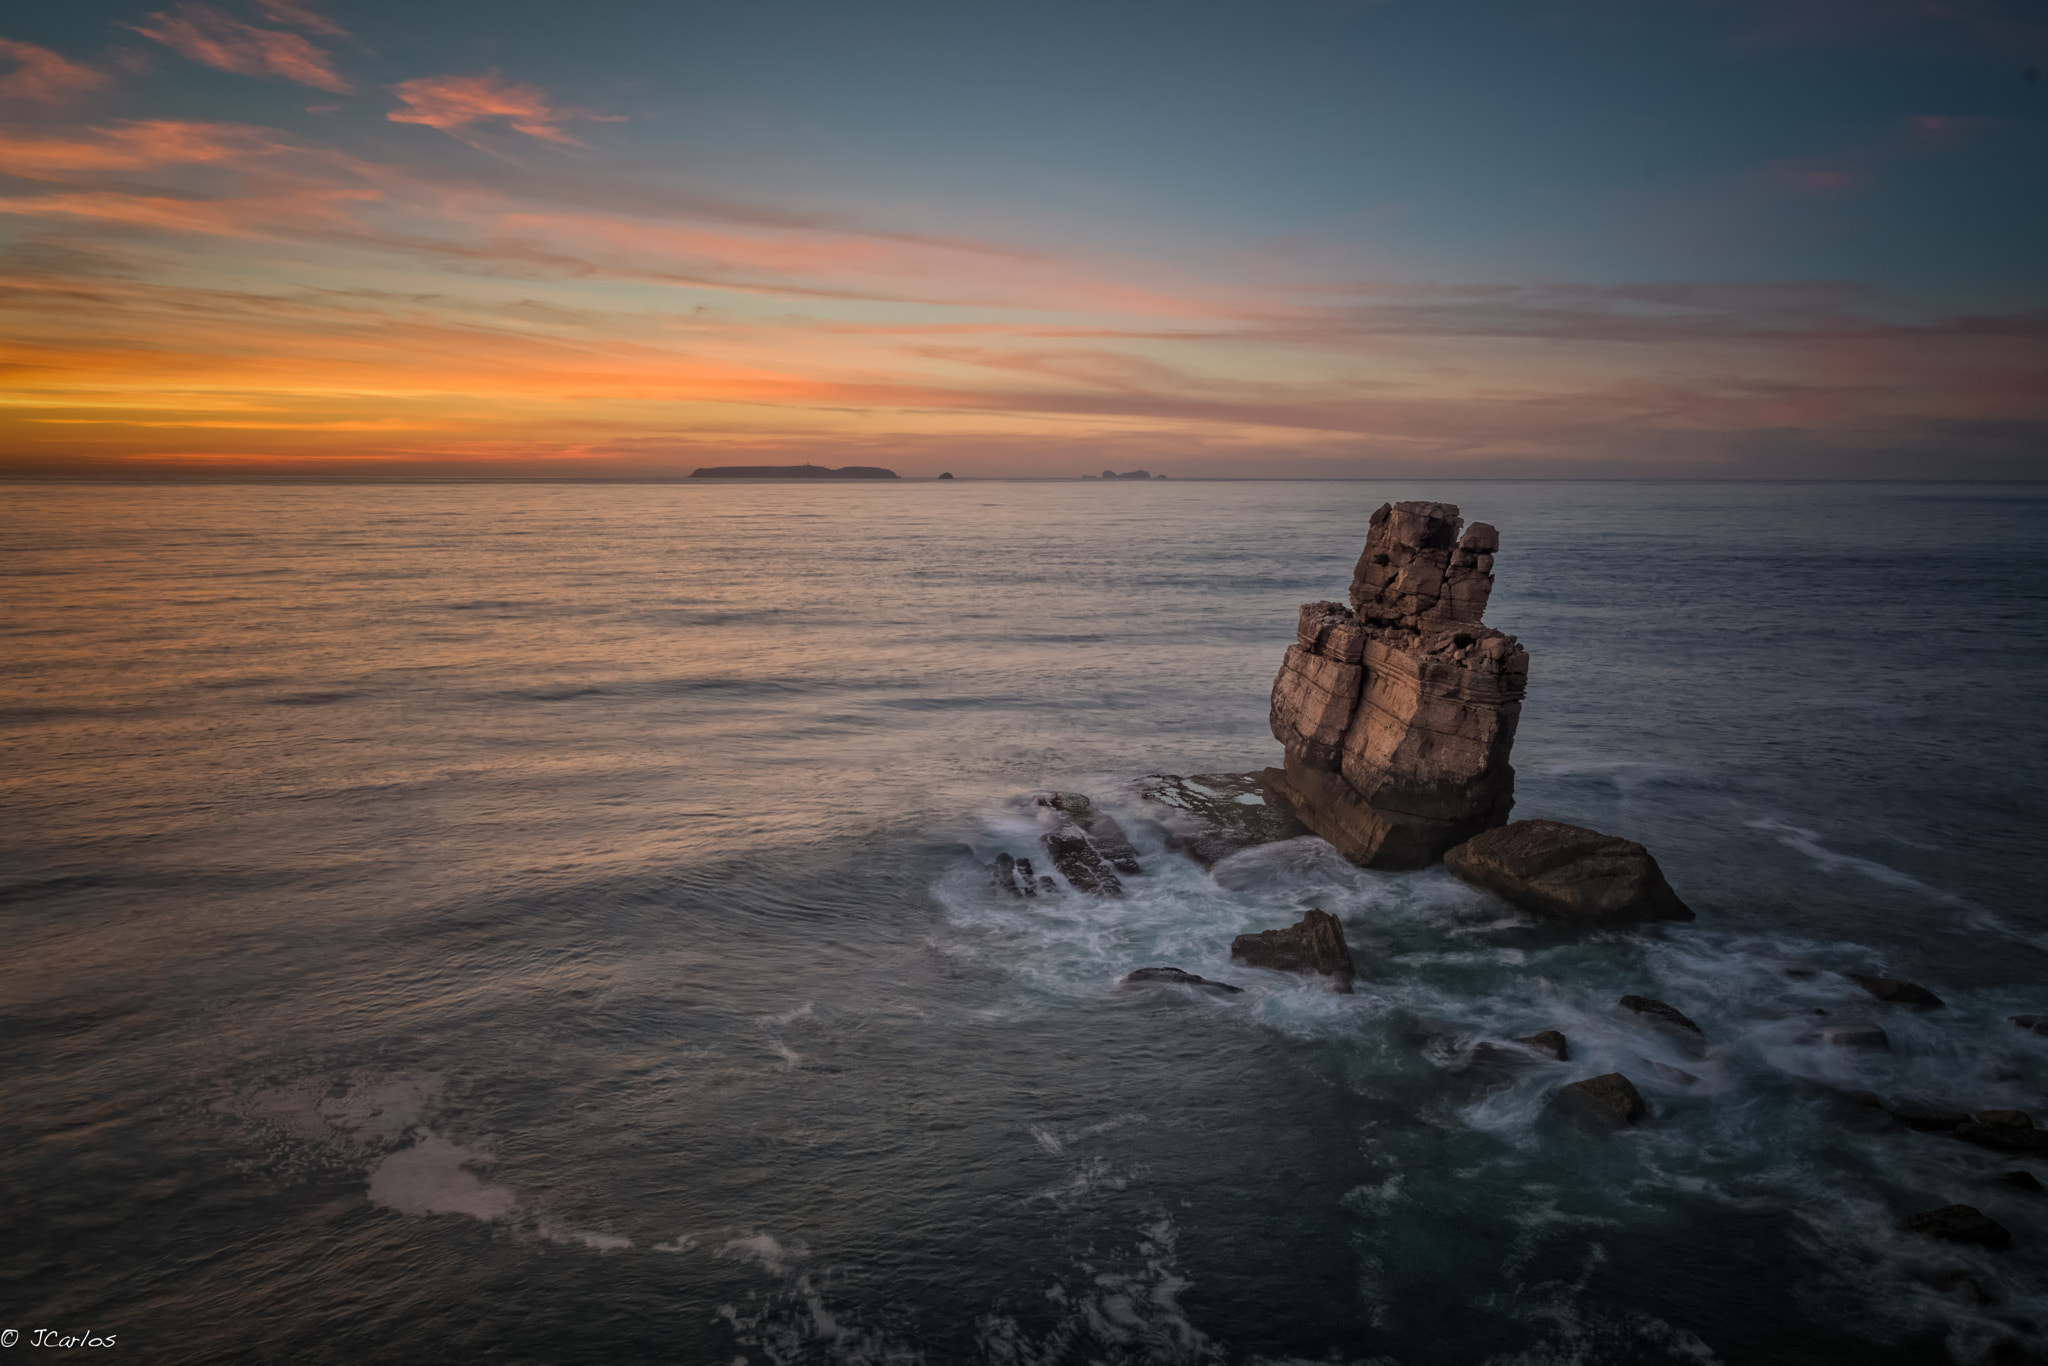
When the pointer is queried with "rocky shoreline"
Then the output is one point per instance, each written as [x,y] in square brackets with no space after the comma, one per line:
[1396,713]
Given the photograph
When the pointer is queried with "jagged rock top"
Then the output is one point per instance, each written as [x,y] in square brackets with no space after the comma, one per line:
[1418,572]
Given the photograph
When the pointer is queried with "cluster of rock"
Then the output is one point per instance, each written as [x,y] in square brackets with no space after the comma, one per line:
[1088,848]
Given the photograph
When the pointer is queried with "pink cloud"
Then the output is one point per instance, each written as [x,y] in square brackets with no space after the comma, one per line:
[1816,181]
[40,76]
[301,15]
[205,35]
[455,103]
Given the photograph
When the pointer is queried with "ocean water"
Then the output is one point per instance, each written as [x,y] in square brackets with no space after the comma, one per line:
[538,923]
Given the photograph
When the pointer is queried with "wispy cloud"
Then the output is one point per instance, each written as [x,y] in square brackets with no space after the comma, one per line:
[41,76]
[211,37]
[301,15]
[457,104]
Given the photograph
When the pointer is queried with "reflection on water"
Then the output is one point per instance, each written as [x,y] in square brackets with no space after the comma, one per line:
[548,922]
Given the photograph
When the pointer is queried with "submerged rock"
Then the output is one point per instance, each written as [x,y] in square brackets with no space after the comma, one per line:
[1958,1224]
[1927,1119]
[2033,1024]
[1098,826]
[1173,977]
[1893,990]
[1665,1072]
[1609,1101]
[1014,875]
[1398,712]
[1214,815]
[1661,1016]
[1314,944]
[2005,1131]
[1568,872]
[1861,1034]
[1548,1042]
[2020,1180]
[1078,862]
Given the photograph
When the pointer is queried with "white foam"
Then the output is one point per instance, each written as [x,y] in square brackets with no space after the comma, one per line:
[433,1177]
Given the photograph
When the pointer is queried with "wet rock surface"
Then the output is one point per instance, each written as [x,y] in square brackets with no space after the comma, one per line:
[1314,944]
[2020,1180]
[1098,826]
[1958,1224]
[1568,872]
[1662,1017]
[1927,1119]
[1172,977]
[1211,816]
[2033,1024]
[1896,992]
[2005,1131]
[1609,1102]
[1548,1042]
[1083,868]
[1398,711]
[1857,1034]
[1015,876]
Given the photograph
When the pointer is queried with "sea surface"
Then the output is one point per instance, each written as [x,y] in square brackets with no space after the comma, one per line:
[547,923]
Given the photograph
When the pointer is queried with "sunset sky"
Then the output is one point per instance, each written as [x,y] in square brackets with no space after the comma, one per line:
[1295,238]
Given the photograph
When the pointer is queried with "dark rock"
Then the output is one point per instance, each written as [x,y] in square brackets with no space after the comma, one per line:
[2034,1024]
[1173,977]
[1926,1118]
[1665,1072]
[1611,1101]
[1099,826]
[1214,815]
[1958,1285]
[1893,990]
[2020,1181]
[1859,1034]
[1958,1224]
[1045,882]
[791,472]
[1314,944]
[1859,1110]
[1014,875]
[1078,862]
[1550,1043]
[1569,873]
[2005,1131]
[1399,711]
[947,475]
[1661,1016]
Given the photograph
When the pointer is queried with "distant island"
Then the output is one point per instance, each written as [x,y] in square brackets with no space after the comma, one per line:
[1134,474]
[791,472]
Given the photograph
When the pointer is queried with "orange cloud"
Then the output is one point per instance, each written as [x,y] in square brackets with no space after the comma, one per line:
[40,76]
[455,103]
[206,35]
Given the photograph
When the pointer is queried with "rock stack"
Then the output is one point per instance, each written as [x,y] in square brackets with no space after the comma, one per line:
[1398,711]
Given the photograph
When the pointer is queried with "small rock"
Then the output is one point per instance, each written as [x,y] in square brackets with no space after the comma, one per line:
[1958,1285]
[1214,815]
[1893,990]
[1078,862]
[2020,1181]
[1861,1034]
[2005,1131]
[1610,1101]
[1926,1118]
[1014,876]
[1662,1016]
[1173,976]
[2036,1024]
[1664,1071]
[1550,1043]
[1313,944]
[1568,872]
[1100,828]
[1958,1224]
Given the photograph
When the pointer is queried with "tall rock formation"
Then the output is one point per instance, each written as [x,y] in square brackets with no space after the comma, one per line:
[1398,711]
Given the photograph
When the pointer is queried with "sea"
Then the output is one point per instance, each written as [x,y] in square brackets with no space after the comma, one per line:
[520,922]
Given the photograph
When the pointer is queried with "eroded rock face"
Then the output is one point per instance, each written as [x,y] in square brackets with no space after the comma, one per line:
[1398,712]
[1314,944]
[1568,872]
[1211,816]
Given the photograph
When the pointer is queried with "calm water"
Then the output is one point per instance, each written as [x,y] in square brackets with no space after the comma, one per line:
[544,924]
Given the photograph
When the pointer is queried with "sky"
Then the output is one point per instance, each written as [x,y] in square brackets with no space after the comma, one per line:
[1291,238]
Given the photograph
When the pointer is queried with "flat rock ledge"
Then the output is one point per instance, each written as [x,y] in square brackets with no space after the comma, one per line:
[1958,1224]
[1172,977]
[1896,992]
[1608,1102]
[1211,816]
[1567,872]
[1313,945]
